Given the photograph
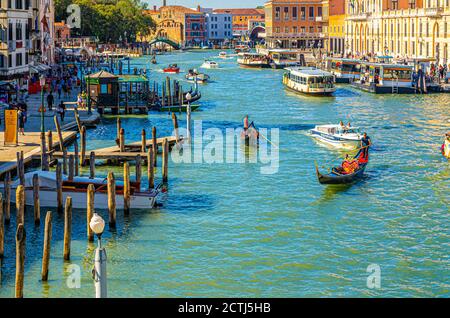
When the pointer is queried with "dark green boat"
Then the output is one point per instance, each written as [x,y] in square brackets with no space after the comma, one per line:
[181,109]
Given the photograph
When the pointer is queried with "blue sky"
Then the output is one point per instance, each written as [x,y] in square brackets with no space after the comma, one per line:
[210,3]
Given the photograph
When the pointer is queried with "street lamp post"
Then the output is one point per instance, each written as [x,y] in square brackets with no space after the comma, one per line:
[97,225]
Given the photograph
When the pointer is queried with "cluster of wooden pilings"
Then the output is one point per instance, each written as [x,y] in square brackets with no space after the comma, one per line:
[63,207]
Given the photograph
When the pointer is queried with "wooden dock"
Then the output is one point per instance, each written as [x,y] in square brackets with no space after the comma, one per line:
[30,145]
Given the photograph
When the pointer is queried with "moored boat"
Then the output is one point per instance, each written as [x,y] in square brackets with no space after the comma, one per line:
[223,55]
[210,64]
[338,136]
[253,60]
[175,108]
[345,174]
[173,68]
[344,70]
[309,80]
[241,48]
[77,190]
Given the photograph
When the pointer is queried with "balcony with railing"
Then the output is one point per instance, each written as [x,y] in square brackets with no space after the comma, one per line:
[434,12]
[358,16]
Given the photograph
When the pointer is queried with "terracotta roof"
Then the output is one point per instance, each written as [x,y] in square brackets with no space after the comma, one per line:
[241,11]
[102,74]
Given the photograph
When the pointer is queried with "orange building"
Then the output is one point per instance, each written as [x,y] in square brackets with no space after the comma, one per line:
[62,32]
[241,18]
[294,23]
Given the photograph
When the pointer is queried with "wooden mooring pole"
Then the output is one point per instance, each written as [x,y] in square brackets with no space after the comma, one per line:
[92,165]
[71,167]
[36,202]
[138,171]
[112,199]
[154,146]
[59,194]
[126,188]
[90,211]
[20,167]
[119,127]
[150,169]
[122,140]
[165,160]
[20,204]
[83,146]
[20,259]
[175,127]
[49,141]
[47,246]
[67,228]
[77,159]
[7,199]
[58,130]
[143,141]
[64,161]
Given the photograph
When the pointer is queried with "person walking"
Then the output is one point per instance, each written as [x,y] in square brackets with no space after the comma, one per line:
[61,110]
[50,100]
[22,118]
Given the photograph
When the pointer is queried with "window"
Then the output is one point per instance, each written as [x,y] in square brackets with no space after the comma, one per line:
[302,29]
[302,13]
[311,13]
[10,63]
[2,61]
[319,11]
[412,4]
[294,29]
[311,29]
[394,5]
[294,13]
[286,30]
[277,13]
[286,13]
[19,60]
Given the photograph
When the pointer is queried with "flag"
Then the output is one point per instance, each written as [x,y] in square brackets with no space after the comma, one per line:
[44,22]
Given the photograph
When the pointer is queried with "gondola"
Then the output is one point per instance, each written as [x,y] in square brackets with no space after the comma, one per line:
[334,177]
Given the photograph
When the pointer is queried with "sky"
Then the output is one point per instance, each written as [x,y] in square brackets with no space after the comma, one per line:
[210,3]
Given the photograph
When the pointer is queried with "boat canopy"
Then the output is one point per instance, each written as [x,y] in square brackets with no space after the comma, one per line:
[47,179]
[308,72]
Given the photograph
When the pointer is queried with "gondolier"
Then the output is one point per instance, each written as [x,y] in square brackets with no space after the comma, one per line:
[366,142]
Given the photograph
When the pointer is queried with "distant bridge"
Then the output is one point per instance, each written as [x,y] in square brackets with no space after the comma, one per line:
[176,46]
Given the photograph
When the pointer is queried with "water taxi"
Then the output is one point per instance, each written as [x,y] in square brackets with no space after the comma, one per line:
[337,136]
[253,60]
[344,70]
[209,64]
[382,78]
[173,68]
[309,80]
[223,55]
[77,190]
[283,58]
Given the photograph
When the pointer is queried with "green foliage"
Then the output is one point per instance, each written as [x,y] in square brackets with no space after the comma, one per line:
[108,19]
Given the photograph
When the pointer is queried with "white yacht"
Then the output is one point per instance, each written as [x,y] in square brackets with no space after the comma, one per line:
[338,136]
[209,64]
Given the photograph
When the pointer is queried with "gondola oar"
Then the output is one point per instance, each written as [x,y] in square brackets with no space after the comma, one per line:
[264,136]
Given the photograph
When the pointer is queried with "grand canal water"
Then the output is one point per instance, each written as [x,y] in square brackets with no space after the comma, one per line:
[228,230]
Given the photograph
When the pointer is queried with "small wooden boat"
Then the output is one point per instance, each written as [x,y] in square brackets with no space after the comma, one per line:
[194,76]
[338,177]
[173,68]
[77,190]
[181,109]
[154,60]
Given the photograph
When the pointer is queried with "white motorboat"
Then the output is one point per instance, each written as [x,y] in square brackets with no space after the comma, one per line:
[210,64]
[223,55]
[338,136]
[195,76]
[77,190]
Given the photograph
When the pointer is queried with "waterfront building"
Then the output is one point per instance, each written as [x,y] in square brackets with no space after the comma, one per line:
[177,23]
[218,26]
[15,17]
[46,22]
[294,23]
[401,28]
[336,26]
[241,18]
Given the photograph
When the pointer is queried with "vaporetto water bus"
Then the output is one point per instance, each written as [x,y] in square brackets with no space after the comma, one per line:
[253,60]
[344,70]
[380,78]
[309,80]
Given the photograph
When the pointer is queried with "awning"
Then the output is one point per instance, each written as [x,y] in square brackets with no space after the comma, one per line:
[39,68]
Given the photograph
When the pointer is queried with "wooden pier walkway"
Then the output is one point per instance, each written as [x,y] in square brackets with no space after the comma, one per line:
[30,145]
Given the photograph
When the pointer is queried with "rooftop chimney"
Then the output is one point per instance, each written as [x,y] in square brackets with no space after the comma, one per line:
[154,8]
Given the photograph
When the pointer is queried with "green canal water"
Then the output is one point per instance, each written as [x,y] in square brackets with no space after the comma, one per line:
[228,230]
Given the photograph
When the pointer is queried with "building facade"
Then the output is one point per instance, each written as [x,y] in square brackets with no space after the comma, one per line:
[241,19]
[15,25]
[401,28]
[62,33]
[178,24]
[294,23]
[219,26]
[336,26]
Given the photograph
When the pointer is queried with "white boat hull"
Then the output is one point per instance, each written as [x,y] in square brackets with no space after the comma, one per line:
[338,141]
